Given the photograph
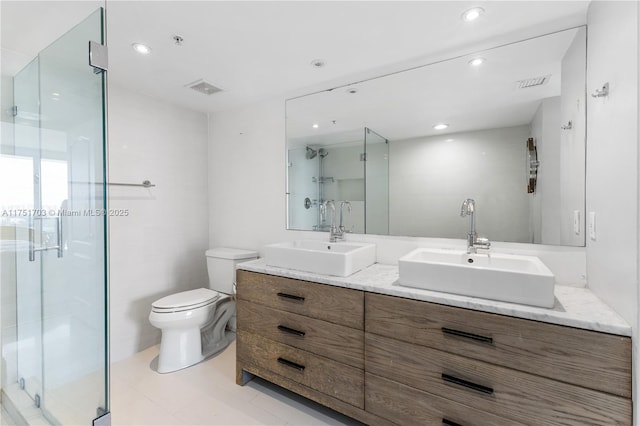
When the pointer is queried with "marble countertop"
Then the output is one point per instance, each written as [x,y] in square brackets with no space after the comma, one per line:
[574,306]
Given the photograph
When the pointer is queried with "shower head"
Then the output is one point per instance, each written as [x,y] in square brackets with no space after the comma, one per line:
[311,153]
[323,152]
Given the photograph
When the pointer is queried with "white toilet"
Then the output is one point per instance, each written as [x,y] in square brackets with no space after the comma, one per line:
[194,322]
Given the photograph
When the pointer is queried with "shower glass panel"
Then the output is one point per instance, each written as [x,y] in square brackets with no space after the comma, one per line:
[54,342]
[377,183]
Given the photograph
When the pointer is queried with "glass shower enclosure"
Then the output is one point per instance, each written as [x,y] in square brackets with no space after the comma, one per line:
[53,226]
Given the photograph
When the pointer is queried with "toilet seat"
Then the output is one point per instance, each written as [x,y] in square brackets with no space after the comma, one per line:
[185,301]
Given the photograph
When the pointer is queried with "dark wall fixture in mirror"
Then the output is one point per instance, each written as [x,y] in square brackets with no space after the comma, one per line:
[405,149]
[532,165]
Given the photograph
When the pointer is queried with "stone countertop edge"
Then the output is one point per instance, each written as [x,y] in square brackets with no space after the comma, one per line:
[574,306]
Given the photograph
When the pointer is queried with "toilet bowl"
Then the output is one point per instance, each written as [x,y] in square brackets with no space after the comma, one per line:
[184,318]
[194,322]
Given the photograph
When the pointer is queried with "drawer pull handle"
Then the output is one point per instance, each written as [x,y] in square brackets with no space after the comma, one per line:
[448,422]
[291,364]
[471,336]
[467,384]
[291,297]
[291,330]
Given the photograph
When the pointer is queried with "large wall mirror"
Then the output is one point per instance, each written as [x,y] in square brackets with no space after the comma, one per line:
[514,141]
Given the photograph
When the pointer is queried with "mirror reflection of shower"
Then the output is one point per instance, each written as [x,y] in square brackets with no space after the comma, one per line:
[319,153]
[334,167]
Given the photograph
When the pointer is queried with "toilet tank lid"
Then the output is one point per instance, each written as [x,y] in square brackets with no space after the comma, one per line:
[231,253]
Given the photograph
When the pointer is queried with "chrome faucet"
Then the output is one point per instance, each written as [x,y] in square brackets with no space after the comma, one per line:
[334,233]
[341,227]
[473,242]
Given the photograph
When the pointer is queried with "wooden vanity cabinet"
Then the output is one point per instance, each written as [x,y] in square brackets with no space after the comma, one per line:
[388,360]
[525,371]
[306,337]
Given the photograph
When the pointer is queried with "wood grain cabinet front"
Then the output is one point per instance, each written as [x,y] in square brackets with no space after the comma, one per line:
[508,393]
[334,341]
[332,378]
[410,406]
[306,337]
[526,371]
[566,354]
[387,360]
[325,302]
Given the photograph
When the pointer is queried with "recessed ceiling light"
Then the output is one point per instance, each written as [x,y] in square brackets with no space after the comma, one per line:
[315,126]
[440,126]
[318,63]
[449,140]
[472,14]
[476,62]
[142,49]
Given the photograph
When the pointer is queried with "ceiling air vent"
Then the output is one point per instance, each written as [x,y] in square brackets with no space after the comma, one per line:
[533,82]
[203,86]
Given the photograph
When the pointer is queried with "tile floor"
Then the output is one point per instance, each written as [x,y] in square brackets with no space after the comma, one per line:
[206,394]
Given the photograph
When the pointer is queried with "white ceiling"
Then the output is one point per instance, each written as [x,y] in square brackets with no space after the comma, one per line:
[257,50]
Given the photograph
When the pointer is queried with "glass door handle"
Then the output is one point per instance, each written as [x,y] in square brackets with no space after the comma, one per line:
[32,230]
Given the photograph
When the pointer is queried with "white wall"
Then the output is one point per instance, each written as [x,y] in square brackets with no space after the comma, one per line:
[612,156]
[429,177]
[612,160]
[572,143]
[247,176]
[159,248]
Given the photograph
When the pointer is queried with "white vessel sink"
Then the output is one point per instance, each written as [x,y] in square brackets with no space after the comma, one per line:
[339,259]
[510,278]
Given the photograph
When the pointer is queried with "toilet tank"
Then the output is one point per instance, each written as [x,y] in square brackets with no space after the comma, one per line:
[221,264]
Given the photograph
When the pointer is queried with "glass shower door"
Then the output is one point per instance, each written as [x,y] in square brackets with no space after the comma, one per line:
[61,339]
[28,355]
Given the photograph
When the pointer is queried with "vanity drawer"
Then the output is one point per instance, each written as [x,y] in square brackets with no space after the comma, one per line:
[334,341]
[502,391]
[586,358]
[405,405]
[332,378]
[334,304]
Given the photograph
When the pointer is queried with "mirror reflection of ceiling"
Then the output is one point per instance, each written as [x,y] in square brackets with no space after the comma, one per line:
[466,97]
[260,50]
